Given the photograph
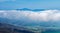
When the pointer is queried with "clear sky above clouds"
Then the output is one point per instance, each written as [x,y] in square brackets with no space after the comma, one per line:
[33,4]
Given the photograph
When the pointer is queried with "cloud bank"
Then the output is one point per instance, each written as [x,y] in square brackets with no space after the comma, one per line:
[47,15]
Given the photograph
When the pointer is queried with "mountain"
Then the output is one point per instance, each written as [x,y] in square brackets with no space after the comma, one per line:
[29,23]
[38,10]
[18,26]
[7,28]
[27,9]
[24,9]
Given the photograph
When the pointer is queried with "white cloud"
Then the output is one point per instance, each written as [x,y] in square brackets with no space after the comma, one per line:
[46,15]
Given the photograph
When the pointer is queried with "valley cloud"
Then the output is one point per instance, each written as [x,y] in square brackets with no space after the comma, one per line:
[46,15]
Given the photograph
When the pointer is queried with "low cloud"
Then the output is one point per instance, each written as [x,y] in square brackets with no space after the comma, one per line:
[47,15]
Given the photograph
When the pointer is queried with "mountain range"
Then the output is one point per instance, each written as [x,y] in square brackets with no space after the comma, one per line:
[27,9]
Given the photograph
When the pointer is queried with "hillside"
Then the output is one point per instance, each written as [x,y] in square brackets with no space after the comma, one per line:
[6,28]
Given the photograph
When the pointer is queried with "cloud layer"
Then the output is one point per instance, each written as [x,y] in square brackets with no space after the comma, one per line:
[47,15]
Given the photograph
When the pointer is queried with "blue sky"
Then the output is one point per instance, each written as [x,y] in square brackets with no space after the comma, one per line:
[33,4]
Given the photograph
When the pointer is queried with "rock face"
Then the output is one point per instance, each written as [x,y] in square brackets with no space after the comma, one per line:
[6,28]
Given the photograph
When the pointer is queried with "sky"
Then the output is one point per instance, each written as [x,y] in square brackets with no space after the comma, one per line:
[32,4]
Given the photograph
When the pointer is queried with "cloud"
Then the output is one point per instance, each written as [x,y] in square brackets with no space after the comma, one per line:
[6,0]
[47,15]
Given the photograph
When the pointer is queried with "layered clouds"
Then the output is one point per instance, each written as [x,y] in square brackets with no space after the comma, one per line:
[47,15]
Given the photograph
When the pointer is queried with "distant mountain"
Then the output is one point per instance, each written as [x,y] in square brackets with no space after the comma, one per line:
[24,9]
[38,10]
[27,9]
